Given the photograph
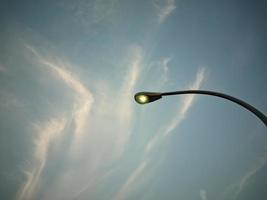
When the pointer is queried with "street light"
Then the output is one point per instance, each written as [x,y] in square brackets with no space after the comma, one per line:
[148,97]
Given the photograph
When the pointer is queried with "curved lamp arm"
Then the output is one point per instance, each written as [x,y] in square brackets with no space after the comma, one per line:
[147,97]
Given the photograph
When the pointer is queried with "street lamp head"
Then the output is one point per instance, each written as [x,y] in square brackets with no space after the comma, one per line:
[146,97]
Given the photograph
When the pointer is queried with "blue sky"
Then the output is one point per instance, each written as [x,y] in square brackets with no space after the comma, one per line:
[70,128]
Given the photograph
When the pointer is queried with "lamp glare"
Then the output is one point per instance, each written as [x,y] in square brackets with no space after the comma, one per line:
[142,99]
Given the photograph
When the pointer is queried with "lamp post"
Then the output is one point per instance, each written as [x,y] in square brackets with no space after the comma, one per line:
[148,97]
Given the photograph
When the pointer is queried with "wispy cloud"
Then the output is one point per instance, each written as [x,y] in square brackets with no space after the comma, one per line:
[237,187]
[160,137]
[117,129]
[261,162]
[116,114]
[165,10]
[128,185]
[203,194]
[124,101]
[89,13]
[51,130]
[83,99]
[187,102]
[47,132]
[164,65]
[153,142]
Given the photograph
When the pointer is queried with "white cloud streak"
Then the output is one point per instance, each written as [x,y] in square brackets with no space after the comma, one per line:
[47,132]
[164,65]
[157,139]
[235,189]
[83,102]
[166,10]
[128,185]
[89,13]
[262,161]
[121,110]
[84,98]
[51,130]
[125,98]
[187,102]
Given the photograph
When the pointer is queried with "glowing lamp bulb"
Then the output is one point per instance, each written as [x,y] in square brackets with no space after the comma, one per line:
[142,99]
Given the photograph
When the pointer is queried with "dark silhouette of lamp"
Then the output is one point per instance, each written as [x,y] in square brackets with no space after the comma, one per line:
[148,97]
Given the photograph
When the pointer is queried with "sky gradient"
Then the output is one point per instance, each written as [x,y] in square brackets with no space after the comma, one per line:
[71,130]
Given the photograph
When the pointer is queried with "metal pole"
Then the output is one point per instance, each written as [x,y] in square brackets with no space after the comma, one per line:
[249,107]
